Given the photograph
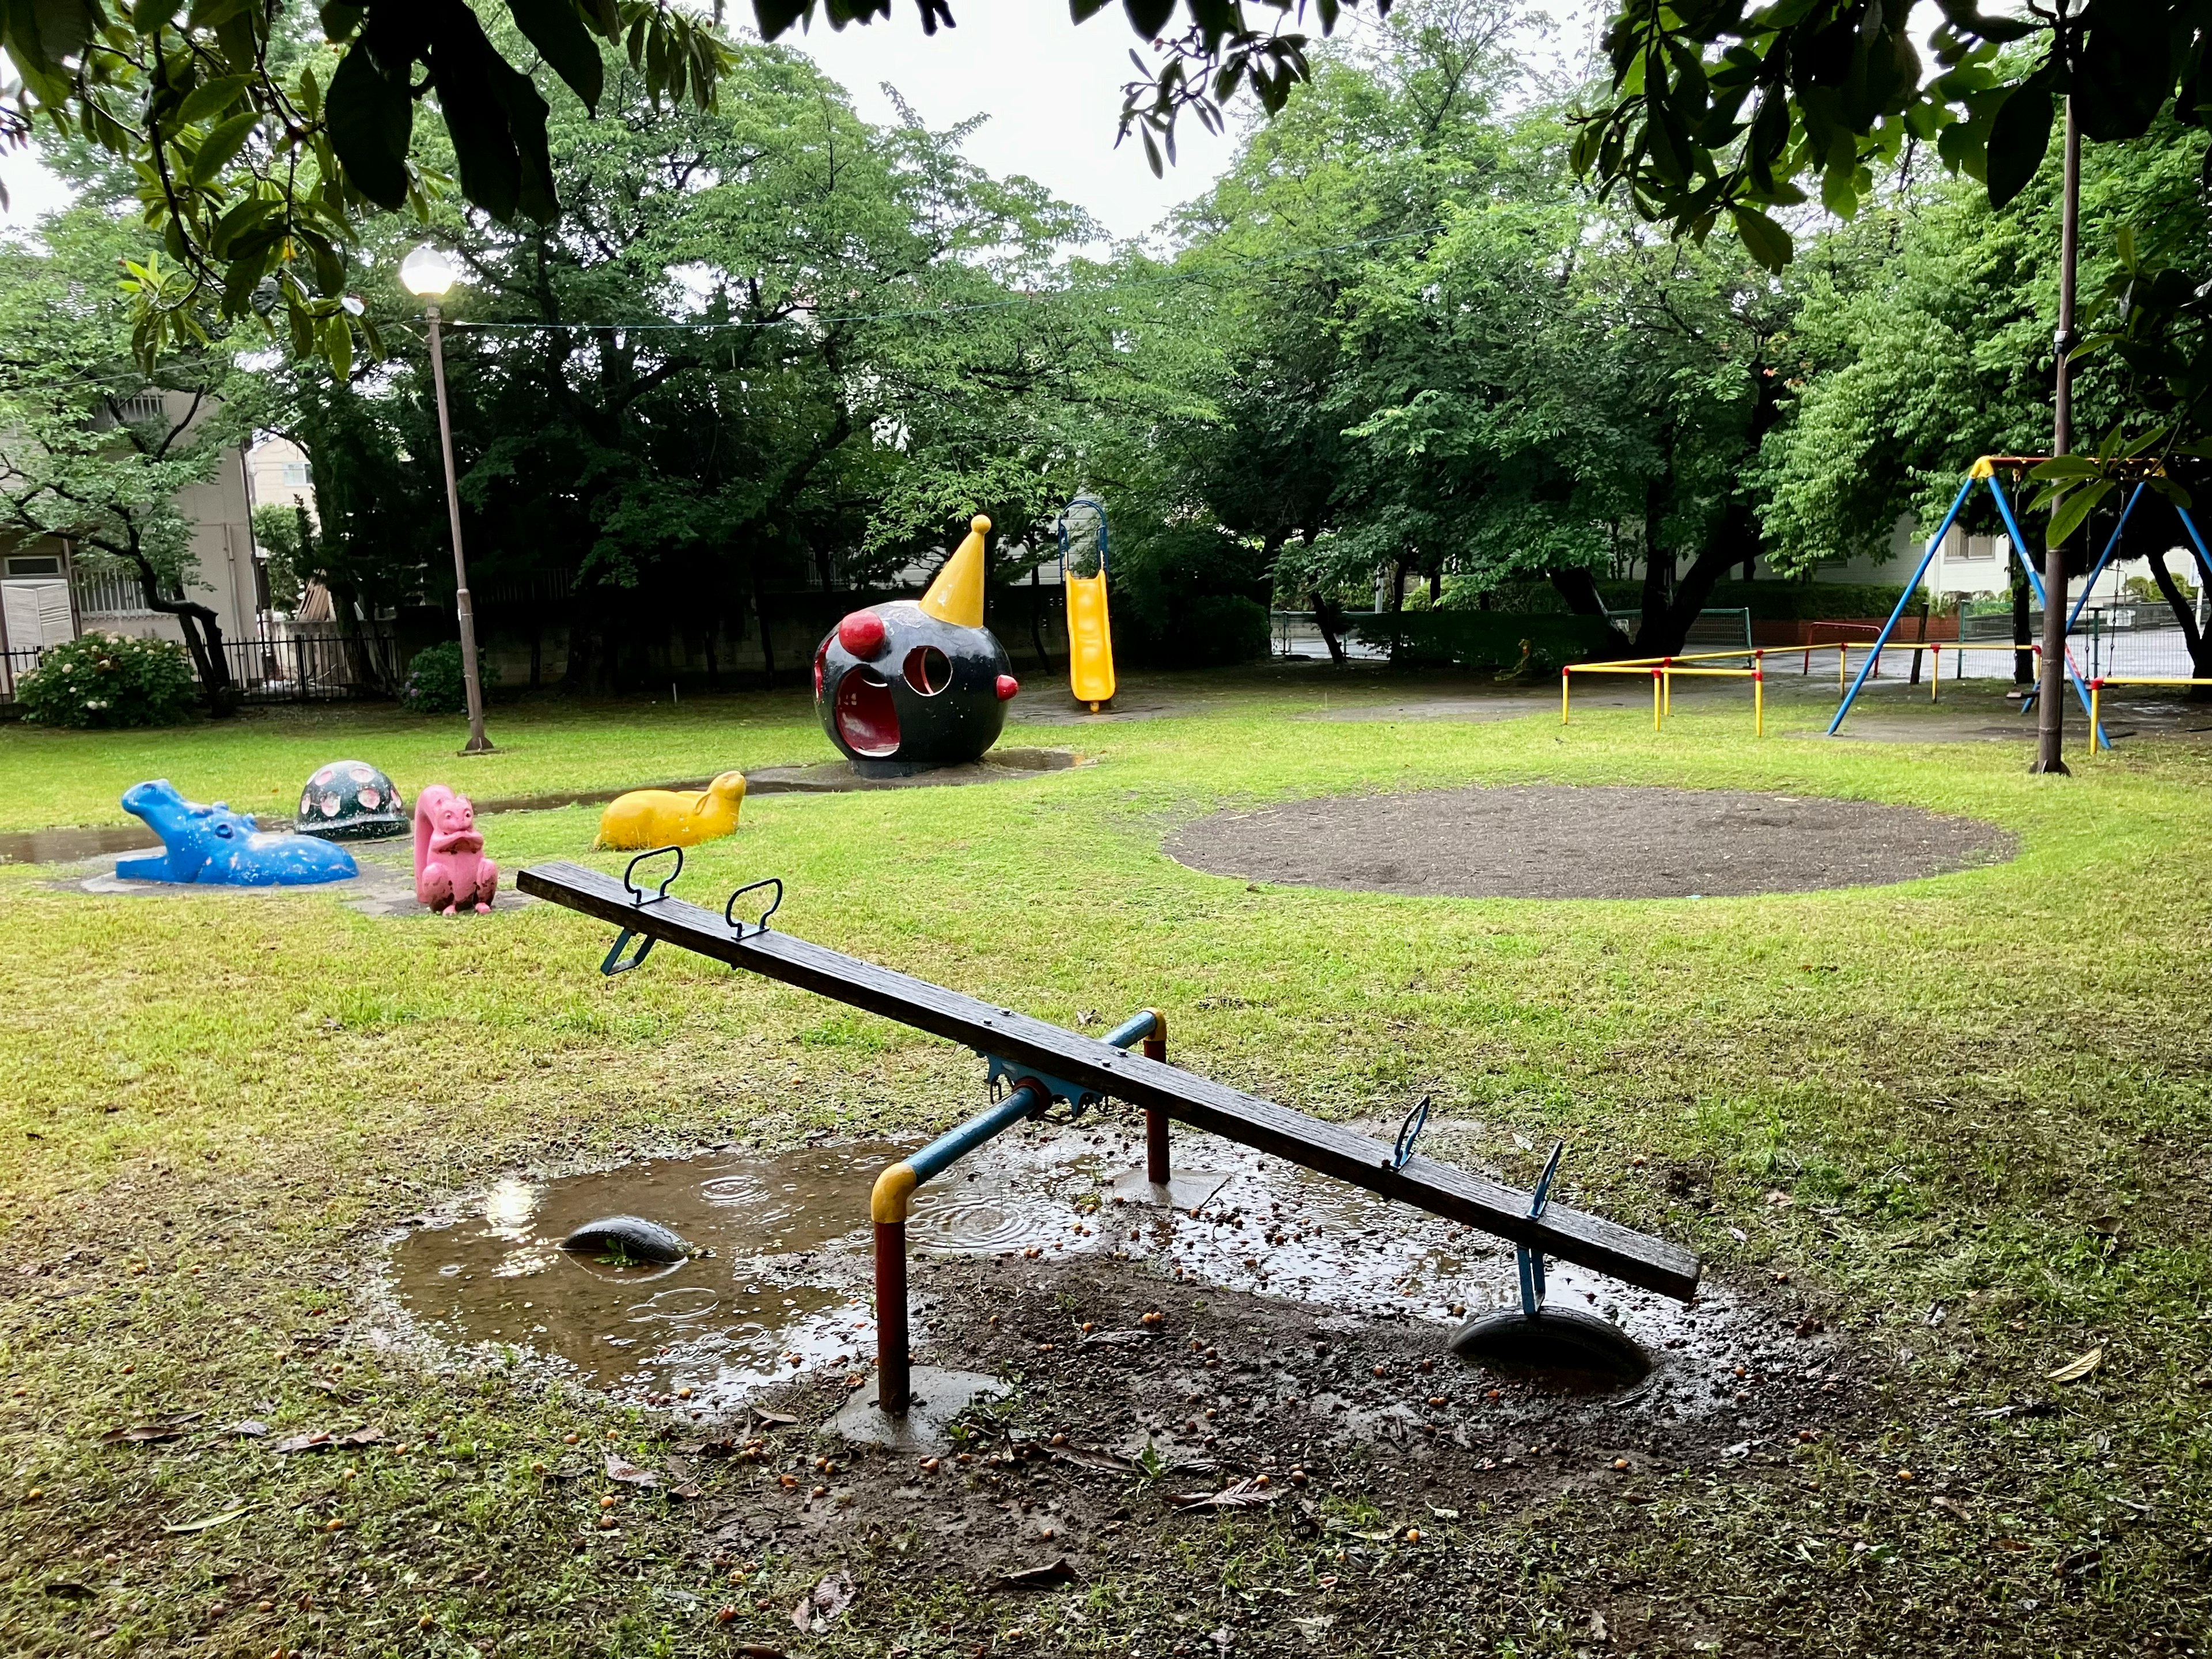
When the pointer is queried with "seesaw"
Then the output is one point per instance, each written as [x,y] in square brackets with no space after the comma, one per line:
[1042,1063]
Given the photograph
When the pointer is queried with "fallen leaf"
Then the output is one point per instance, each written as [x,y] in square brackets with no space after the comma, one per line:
[368,1436]
[628,1473]
[303,1442]
[688,1489]
[1243,1495]
[1055,1573]
[1117,1339]
[824,1604]
[1598,1631]
[250,1428]
[1093,1457]
[202,1525]
[776,1417]
[2078,1367]
[142,1434]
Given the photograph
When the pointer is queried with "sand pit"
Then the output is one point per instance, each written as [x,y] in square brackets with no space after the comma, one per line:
[1551,841]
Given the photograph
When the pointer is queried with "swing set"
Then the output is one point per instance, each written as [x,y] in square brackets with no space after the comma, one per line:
[1985,471]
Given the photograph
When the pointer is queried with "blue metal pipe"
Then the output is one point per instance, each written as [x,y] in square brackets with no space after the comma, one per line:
[954,1144]
[1903,599]
[2111,543]
[2097,737]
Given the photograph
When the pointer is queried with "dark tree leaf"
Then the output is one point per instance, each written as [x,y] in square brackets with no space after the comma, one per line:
[2018,140]
[556,28]
[371,119]
[1149,17]
[1764,240]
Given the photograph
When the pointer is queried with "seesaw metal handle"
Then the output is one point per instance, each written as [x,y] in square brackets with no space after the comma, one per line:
[730,909]
[637,893]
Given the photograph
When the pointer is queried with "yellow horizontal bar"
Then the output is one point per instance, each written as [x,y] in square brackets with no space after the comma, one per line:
[1606,668]
[1713,673]
[2108,679]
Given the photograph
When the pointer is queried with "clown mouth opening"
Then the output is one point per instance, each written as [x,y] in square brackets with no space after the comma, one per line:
[866,719]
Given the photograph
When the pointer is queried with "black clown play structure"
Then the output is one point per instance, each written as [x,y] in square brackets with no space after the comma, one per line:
[904,686]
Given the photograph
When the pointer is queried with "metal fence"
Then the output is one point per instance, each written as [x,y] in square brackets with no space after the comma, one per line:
[283,667]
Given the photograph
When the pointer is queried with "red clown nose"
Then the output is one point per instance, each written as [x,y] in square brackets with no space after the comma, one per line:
[861,634]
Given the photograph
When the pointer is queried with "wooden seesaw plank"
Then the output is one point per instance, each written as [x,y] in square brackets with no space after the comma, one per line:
[1568,1234]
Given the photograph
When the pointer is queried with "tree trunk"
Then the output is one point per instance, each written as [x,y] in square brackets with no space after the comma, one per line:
[1328,617]
[2200,647]
[1579,588]
[202,635]
[2023,660]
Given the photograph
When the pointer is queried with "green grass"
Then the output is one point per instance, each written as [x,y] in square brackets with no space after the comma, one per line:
[215,1106]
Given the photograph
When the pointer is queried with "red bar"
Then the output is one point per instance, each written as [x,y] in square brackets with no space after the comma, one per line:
[1156,1122]
[894,1375]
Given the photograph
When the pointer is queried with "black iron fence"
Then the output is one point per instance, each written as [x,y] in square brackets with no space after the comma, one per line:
[285,667]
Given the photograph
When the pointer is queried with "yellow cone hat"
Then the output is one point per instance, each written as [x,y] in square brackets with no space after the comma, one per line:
[957,595]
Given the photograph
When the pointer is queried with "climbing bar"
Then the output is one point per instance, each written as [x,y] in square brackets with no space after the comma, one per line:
[2097,696]
[1020,1040]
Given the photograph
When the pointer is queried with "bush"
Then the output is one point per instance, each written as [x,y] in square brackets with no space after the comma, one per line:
[1187,596]
[434,685]
[107,680]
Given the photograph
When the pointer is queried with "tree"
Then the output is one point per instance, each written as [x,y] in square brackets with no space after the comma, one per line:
[1714,110]
[96,450]
[262,154]
[769,342]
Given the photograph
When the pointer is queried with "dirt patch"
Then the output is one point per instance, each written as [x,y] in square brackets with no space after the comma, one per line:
[1278,1350]
[1547,841]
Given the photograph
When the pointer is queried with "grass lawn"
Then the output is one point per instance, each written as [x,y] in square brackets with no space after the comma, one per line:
[1966,1117]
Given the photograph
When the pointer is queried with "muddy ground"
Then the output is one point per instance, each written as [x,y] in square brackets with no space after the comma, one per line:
[1349,1439]
[1558,841]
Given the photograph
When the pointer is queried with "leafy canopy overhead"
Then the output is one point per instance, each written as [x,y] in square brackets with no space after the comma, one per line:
[263,137]
[1718,110]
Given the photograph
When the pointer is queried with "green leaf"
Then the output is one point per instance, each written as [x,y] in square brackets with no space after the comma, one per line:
[556,29]
[2018,140]
[338,344]
[1149,17]
[1764,240]
[220,145]
[2068,518]
[2064,466]
[370,120]
[211,97]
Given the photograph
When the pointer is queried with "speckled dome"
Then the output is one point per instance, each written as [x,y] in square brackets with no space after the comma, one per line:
[351,800]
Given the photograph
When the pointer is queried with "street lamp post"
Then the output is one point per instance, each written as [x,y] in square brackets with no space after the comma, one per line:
[428,275]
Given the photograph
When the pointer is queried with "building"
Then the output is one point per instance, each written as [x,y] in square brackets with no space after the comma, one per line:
[47,596]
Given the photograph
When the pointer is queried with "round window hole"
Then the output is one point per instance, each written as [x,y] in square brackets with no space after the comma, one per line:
[929,670]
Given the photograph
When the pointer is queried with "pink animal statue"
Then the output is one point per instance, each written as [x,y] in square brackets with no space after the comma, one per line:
[450,867]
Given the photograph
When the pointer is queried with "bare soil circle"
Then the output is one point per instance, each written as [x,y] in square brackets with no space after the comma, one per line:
[1559,841]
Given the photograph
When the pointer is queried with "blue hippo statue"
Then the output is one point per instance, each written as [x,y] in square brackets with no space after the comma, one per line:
[218,847]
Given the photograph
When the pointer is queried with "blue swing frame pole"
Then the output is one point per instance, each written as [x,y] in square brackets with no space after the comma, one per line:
[2103,559]
[2035,583]
[1903,600]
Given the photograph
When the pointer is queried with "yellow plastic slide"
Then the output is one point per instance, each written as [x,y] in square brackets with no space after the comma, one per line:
[1089,640]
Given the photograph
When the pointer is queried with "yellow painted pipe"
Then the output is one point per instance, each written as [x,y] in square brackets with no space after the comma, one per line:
[894,1191]
[1567,678]
[1758,705]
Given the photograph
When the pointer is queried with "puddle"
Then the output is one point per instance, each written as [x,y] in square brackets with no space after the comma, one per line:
[786,1287]
[67,846]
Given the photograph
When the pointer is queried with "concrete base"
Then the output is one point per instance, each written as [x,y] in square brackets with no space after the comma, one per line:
[1187,1189]
[938,1397]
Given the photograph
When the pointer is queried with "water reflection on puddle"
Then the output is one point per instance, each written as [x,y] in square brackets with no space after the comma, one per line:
[786,1286]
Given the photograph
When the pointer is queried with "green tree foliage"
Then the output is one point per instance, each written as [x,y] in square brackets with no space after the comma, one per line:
[96,449]
[768,345]
[1409,345]
[1718,110]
